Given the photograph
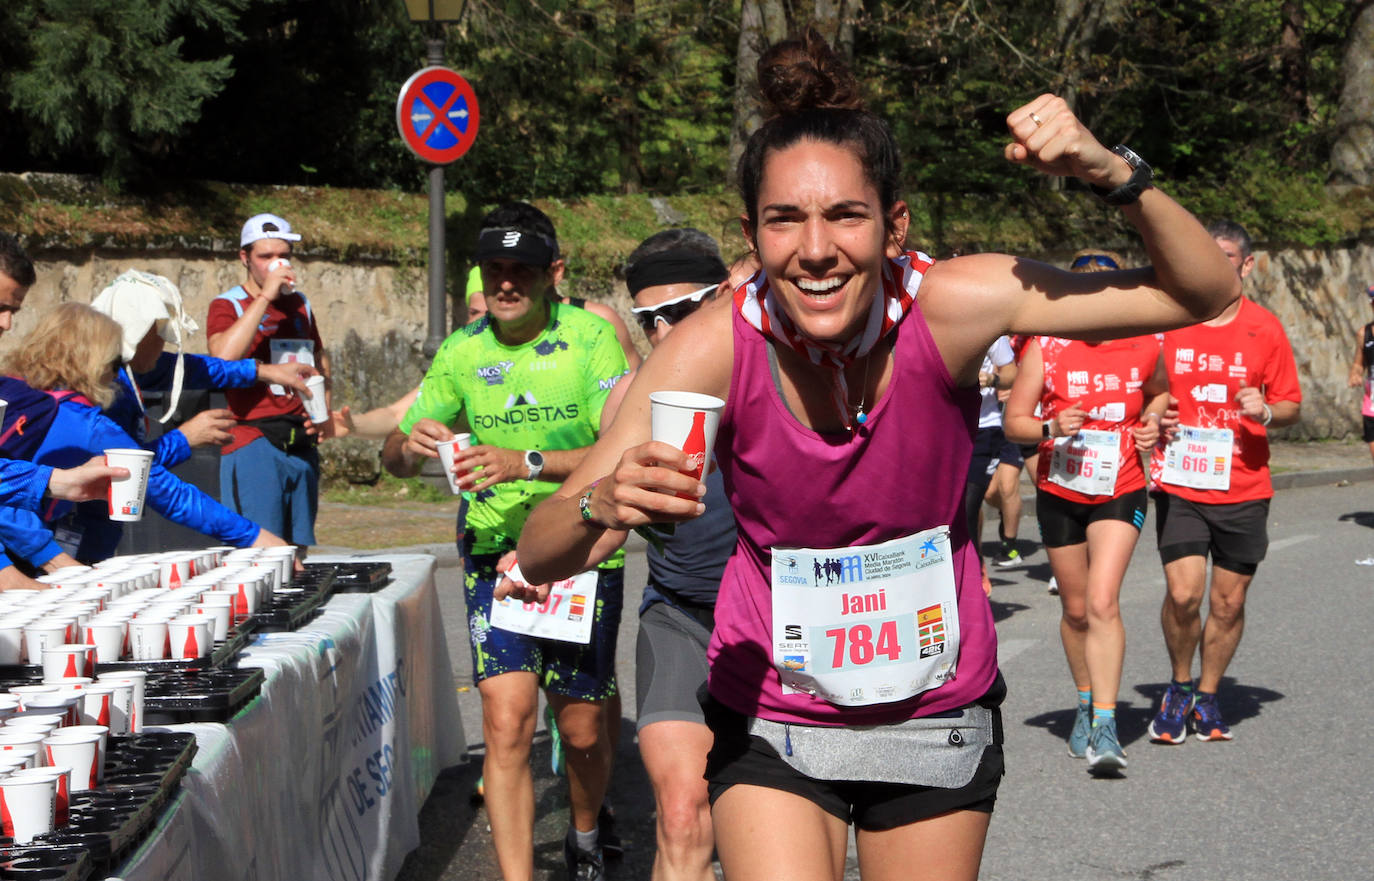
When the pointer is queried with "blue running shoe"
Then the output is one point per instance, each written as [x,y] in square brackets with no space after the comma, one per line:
[556,761]
[1170,724]
[1082,729]
[1105,755]
[583,865]
[1207,723]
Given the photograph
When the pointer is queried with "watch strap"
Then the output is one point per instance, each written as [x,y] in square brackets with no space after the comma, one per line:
[1142,178]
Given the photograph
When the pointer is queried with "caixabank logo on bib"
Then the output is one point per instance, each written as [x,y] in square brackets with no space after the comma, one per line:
[523,409]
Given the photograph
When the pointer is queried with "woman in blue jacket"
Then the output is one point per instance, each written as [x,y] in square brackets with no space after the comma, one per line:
[149,312]
[73,353]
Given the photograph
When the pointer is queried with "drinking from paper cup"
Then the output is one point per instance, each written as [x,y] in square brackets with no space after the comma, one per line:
[447,450]
[126,496]
[315,406]
[688,421]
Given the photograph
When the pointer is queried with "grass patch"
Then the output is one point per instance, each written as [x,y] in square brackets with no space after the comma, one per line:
[389,491]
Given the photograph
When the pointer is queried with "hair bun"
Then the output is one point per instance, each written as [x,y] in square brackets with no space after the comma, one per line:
[805,74]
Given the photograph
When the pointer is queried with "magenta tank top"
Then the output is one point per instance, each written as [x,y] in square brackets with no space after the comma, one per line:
[900,473]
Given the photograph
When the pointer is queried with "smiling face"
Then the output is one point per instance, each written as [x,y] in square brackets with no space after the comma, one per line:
[821,236]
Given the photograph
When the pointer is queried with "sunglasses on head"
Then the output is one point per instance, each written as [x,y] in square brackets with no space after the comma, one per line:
[1094,260]
[672,311]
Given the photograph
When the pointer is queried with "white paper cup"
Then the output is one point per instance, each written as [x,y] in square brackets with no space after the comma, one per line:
[174,571]
[19,738]
[125,497]
[62,779]
[78,750]
[56,702]
[137,680]
[189,636]
[688,421]
[96,706]
[447,449]
[107,637]
[31,721]
[68,661]
[42,634]
[315,406]
[147,639]
[11,644]
[121,707]
[28,807]
[218,614]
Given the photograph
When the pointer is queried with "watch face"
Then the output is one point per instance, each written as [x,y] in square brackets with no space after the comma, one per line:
[534,459]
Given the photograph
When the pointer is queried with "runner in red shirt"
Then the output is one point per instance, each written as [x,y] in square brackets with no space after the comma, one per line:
[1232,378]
[1090,500]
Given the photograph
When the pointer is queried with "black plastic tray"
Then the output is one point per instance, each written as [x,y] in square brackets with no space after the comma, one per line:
[223,652]
[142,772]
[48,862]
[367,577]
[200,695]
[296,604]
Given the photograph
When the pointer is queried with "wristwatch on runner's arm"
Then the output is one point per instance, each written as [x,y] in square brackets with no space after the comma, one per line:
[534,460]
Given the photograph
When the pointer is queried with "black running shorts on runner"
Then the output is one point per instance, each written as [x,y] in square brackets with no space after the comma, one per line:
[1010,454]
[1368,429]
[1064,523]
[670,666]
[738,757]
[1236,536]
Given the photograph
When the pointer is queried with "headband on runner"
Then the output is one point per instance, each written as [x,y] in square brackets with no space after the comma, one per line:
[668,267]
[531,249]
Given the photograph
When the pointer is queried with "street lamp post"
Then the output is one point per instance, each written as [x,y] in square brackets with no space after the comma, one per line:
[433,14]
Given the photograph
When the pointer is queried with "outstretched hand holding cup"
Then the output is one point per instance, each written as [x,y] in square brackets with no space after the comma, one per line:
[688,421]
[651,477]
[126,494]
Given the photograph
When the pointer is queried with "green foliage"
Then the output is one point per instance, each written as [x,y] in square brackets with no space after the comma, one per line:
[110,76]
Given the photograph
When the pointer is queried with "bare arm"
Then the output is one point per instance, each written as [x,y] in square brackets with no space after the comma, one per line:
[971,300]
[636,480]
[376,424]
[1019,422]
[1357,367]
[234,343]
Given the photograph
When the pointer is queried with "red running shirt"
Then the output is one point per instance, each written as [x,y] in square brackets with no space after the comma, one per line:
[1206,367]
[289,317]
[1107,380]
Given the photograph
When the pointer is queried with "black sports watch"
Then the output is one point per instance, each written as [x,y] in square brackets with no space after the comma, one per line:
[1142,177]
[534,461]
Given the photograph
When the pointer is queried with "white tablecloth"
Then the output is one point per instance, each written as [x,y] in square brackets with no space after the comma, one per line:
[323,775]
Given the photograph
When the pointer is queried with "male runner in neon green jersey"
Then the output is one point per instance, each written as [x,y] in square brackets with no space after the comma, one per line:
[528,381]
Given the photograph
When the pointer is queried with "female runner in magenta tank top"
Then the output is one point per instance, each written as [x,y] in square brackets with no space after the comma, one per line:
[850,382]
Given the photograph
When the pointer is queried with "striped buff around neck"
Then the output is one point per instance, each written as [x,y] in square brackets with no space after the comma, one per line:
[901,279]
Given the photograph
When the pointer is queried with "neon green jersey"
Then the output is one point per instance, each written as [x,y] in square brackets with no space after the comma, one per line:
[545,394]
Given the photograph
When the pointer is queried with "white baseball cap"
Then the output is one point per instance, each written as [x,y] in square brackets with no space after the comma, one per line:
[266,226]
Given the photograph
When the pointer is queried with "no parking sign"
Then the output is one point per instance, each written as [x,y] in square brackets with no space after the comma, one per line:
[437,115]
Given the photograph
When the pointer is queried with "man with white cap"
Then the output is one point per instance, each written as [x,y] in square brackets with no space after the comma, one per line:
[269,471]
[149,309]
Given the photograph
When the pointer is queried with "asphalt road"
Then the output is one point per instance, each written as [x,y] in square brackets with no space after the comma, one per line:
[1288,798]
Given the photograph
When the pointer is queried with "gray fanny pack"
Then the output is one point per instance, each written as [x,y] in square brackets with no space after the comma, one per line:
[941,751]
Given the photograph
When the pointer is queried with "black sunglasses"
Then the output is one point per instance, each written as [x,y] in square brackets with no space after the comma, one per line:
[671,311]
[1095,260]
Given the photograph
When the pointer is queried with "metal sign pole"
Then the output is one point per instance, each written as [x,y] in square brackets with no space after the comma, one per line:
[438,326]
